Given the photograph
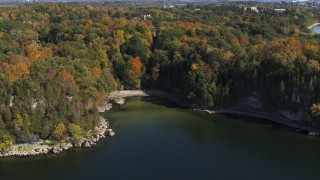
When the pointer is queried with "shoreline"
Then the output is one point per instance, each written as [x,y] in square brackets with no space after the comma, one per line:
[315,24]
[272,118]
[143,93]
[117,97]
[40,147]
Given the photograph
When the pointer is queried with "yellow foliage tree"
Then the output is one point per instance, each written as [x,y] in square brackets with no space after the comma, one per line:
[60,132]
[194,66]
[18,123]
[75,131]
[315,109]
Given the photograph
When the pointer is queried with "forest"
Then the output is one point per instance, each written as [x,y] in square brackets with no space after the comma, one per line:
[58,62]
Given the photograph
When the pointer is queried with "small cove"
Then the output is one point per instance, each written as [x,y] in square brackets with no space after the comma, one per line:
[157,140]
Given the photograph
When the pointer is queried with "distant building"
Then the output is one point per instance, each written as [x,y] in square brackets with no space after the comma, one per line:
[279,10]
[255,9]
[171,7]
[145,16]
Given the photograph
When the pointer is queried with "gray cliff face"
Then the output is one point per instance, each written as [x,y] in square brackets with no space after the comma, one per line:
[253,105]
[298,116]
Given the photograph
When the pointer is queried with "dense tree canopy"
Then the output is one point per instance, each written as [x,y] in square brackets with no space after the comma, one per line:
[58,61]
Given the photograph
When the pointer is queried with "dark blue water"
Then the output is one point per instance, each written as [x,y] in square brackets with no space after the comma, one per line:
[157,141]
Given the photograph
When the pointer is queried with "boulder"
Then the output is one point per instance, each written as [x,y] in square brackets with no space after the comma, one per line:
[45,150]
[56,150]
[64,147]
[86,144]
[69,145]
[111,133]
[118,100]
[77,144]
[6,152]
[32,153]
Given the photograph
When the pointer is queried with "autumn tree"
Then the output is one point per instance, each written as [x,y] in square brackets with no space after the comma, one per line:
[133,73]
[76,132]
[59,133]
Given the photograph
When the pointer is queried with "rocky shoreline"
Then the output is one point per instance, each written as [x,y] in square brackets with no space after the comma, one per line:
[271,117]
[41,148]
[253,107]
[118,97]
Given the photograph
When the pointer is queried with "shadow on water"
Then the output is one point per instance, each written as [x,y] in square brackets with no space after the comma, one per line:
[170,104]
[274,125]
[203,127]
[162,102]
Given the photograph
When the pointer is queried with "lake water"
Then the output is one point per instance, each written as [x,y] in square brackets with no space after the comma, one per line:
[316,29]
[155,140]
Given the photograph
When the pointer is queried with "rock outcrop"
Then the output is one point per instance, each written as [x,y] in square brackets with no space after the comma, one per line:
[105,107]
[118,100]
